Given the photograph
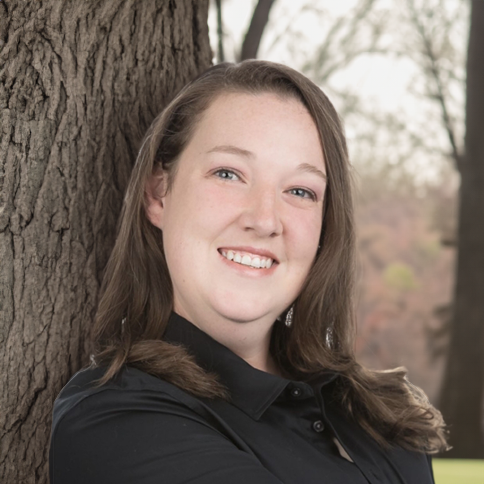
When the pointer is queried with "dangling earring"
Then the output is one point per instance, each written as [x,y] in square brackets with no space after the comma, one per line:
[289,316]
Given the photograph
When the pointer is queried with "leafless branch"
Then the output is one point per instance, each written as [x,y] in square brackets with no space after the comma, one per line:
[433,68]
[340,46]
[220,33]
[252,39]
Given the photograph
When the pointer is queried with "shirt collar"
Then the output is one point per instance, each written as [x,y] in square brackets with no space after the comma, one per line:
[251,390]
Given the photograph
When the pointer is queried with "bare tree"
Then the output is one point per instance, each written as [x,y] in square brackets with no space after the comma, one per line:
[220,32]
[462,394]
[79,84]
[349,36]
[249,47]
[253,36]
[343,38]
[432,23]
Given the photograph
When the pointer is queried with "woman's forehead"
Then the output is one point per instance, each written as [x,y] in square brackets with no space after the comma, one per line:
[264,118]
[243,102]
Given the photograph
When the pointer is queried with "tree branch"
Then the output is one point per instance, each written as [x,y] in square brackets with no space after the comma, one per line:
[341,43]
[434,70]
[220,34]
[252,39]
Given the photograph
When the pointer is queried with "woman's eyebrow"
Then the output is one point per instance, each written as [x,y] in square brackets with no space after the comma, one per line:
[306,167]
[233,150]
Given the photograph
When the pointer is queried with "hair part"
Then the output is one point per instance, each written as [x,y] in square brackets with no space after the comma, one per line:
[137,288]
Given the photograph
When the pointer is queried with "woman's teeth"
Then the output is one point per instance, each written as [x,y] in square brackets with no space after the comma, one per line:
[246,260]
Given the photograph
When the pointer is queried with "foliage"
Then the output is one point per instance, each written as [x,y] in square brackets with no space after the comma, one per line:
[400,276]
[461,471]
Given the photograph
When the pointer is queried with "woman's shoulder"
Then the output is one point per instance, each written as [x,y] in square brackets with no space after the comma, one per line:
[138,427]
[131,390]
[86,382]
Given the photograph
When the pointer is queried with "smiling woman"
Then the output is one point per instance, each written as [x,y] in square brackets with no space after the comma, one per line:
[238,219]
[239,187]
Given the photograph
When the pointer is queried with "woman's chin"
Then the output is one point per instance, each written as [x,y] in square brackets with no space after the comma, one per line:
[242,313]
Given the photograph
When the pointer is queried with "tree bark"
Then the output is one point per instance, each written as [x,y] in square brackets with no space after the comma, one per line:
[80,82]
[463,386]
[252,38]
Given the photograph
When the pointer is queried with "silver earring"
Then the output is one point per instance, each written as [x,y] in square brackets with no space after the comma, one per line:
[289,316]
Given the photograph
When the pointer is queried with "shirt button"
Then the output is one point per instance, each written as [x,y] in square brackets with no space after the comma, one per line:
[318,426]
[296,392]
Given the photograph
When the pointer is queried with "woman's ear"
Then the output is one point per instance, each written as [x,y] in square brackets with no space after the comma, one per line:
[154,194]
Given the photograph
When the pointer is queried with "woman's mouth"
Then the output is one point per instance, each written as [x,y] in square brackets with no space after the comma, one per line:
[247,259]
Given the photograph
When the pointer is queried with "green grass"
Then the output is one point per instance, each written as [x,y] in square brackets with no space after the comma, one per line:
[450,471]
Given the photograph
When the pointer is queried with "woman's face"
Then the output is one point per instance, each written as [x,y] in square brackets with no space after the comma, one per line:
[242,221]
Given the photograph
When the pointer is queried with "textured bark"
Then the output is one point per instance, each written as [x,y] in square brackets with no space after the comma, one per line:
[79,84]
[463,388]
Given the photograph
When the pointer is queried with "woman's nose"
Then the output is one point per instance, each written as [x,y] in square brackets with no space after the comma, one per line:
[262,213]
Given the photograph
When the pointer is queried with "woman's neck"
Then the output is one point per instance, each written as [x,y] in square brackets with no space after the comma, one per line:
[250,340]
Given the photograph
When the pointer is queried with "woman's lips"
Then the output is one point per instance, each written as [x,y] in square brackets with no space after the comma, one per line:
[248,262]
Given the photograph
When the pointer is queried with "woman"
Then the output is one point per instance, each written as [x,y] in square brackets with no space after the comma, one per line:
[225,328]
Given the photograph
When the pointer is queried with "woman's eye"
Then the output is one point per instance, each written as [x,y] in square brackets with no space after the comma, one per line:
[226,174]
[303,193]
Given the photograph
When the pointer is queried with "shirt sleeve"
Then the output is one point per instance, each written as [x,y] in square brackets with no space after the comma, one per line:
[137,437]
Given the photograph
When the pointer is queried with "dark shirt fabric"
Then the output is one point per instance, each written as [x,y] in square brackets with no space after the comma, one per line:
[141,429]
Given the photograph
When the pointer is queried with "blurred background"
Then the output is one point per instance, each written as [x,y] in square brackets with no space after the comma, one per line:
[396,72]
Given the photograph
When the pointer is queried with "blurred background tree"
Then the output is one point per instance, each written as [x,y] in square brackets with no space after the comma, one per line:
[397,73]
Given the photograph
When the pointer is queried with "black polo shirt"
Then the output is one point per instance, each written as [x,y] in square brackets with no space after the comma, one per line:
[140,429]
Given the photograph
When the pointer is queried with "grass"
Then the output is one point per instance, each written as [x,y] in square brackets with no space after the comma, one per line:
[462,471]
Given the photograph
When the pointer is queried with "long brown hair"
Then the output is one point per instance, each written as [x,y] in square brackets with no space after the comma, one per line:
[137,293]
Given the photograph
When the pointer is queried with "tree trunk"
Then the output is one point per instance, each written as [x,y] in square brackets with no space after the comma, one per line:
[463,387]
[252,38]
[220,33]
[79,84]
